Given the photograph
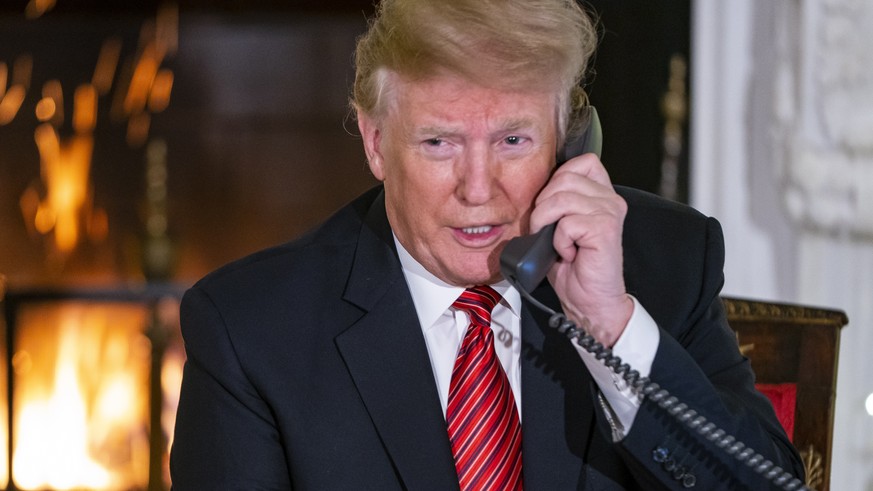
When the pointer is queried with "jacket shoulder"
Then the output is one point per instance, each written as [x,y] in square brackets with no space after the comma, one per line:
[673,255]
[643,205]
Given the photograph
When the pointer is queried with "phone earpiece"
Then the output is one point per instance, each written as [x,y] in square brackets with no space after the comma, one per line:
[526,260]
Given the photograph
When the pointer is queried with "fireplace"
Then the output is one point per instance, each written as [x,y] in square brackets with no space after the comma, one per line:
[92,379]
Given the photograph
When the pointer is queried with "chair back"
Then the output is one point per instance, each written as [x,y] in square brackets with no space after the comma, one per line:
[794,352]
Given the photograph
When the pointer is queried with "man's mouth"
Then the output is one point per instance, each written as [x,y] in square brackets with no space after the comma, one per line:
[482,229]
[478,235]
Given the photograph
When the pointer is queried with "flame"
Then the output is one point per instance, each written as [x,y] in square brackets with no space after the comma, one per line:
[53,91]
[81,397]
[11,99]
[11,103]
[144,73]
[36,8]
[107,62]
[167,315]
[159,97]
[65,169]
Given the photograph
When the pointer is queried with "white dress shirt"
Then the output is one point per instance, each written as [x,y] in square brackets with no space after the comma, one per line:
[444,328]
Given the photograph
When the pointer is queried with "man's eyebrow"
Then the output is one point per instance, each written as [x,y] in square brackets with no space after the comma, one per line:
[508,125]
[431,129]
[436,130]
[517,124]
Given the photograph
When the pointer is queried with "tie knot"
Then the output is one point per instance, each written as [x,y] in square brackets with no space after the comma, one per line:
[478,301]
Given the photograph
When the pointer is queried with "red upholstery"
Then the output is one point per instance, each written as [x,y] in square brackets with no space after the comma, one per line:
[784,399]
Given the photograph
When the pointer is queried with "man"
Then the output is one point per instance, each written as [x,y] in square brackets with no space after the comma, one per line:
[337,361]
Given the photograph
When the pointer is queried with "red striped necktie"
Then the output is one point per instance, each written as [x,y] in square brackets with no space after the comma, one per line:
[483,421]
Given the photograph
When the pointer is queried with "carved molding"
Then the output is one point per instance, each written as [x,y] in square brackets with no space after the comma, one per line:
[813,464]
[823,114]
[750,310]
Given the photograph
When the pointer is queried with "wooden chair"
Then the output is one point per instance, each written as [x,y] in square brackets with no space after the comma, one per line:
[794,352]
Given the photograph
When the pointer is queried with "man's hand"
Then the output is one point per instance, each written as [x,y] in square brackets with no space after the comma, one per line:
[588,277]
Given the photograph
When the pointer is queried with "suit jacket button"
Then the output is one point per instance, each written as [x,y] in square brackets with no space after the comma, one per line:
[689,480]
[670,465]
[679,473]
[660,454]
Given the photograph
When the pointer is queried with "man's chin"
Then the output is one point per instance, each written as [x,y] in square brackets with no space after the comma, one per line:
[479,269]
[469,278]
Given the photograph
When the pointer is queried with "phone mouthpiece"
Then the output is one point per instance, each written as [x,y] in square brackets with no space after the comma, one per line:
[526,260]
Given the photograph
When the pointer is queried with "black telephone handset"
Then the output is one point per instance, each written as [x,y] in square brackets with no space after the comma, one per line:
[526,260]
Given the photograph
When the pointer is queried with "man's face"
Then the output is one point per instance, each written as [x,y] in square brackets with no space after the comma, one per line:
[461,165]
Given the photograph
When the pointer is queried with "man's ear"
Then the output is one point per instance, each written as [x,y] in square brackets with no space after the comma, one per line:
[372,135]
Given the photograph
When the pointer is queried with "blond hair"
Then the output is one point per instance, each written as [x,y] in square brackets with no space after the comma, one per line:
[510,44]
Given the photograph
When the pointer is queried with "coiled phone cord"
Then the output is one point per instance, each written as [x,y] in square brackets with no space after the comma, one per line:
[679,410]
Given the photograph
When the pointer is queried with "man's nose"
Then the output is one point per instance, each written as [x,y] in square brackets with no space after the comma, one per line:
[477,176]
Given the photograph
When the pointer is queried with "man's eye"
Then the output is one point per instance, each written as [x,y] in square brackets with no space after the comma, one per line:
[513,140]
[434,142]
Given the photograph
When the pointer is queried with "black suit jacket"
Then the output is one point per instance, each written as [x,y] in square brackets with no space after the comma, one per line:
[307,369]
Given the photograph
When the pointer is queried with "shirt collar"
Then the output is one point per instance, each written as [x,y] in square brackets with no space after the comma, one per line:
[433,297]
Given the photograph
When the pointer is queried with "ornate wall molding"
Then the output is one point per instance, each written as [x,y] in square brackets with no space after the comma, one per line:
[823,114]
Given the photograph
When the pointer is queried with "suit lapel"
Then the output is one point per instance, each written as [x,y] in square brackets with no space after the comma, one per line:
[388,361]
[557,415]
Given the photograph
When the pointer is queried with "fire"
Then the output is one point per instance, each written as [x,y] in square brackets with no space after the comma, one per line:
[171,371]
[65,166]
[81,397]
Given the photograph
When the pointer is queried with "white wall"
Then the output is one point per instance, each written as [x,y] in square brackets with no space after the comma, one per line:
[782,155]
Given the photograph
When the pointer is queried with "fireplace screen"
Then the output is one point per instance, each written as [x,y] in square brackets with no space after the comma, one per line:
[92,384]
